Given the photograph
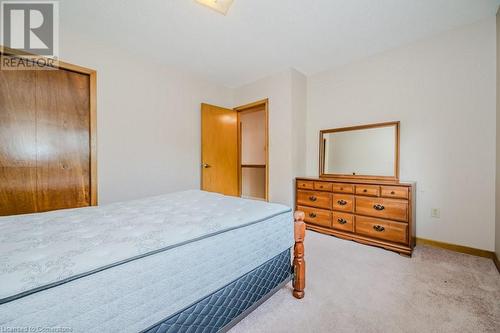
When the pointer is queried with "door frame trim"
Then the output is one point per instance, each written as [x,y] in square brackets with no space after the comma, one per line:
[253,107]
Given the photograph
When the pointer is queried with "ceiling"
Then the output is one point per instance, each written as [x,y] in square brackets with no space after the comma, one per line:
[261,37]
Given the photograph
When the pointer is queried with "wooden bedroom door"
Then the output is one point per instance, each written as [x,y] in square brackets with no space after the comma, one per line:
[219,150]
[47,150]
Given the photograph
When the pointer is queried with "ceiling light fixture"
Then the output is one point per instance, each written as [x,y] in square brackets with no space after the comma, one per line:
[221,6]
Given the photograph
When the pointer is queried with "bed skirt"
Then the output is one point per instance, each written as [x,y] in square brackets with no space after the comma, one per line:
[221,310]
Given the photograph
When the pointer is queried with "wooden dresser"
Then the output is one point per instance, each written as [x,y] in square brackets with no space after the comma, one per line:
[379,213]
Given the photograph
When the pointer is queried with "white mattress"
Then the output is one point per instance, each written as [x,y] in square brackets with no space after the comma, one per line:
[202,241]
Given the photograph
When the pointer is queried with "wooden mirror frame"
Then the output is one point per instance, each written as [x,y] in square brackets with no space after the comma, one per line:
[355,128]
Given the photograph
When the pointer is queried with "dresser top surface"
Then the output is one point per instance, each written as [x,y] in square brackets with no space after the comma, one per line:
[358,181]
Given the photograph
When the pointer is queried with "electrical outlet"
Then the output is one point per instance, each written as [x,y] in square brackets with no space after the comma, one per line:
[435,212]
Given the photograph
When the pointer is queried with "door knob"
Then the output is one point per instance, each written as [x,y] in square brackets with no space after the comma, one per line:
[205,165]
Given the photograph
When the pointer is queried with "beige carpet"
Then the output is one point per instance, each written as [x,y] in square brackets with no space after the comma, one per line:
[357,288]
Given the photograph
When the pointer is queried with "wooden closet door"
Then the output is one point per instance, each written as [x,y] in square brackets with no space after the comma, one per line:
[45,146]
[17,142]
[63,141]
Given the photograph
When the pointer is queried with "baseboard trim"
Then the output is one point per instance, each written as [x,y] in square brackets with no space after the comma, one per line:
[457,248]
[497,262]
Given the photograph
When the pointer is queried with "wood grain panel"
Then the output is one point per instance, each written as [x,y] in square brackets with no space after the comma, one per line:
[219,146]
[343,221]
[63,149]
[384,208]
[48,130]
[323,186]
[394,192]
[317,216]
[18,142]
[93,137]
[396,234]
[314,199]
[343,202]
[306,185]
[342,188]
[370,190]
[383,229]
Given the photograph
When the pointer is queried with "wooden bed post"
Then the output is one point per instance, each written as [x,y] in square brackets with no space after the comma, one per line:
[299,264]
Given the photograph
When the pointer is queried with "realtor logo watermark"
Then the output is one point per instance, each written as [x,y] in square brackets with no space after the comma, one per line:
[31,29]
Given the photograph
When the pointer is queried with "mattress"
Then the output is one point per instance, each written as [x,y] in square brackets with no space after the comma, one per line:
[126,266]
[221,310]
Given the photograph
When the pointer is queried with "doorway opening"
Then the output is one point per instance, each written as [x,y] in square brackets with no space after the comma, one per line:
[235,150]
[253,150]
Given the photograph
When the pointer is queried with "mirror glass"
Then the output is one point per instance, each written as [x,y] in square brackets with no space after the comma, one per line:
[368,151]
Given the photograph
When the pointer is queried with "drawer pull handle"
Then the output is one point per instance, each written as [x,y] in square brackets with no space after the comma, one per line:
[378,228]
[312,215]
[392,192]
[313,198]
[378,207]
[342,221]
[342,202]
[365,190]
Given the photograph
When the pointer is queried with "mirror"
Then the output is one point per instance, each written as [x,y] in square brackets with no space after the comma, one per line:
[369,151]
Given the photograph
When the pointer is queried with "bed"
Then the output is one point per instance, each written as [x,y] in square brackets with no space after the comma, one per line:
[189,261]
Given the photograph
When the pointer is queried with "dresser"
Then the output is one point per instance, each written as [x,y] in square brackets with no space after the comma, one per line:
[378,213]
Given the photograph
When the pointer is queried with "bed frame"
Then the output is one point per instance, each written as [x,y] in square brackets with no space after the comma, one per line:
[299,264]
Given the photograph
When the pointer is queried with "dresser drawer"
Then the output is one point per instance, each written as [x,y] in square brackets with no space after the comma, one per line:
[343,202]
[314,199]
[385,208]
[317,216]
[343,221]
[394,192]
[387,230]
[370,190]
[342,188]
[323,186]
[305,184]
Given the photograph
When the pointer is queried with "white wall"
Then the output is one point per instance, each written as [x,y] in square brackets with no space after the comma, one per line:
[278,89]
[299,121]
[442,89]
[286,137]
[148,120]
[497,210]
